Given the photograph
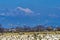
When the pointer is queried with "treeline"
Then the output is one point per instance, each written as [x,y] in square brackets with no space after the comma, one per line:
[26,28]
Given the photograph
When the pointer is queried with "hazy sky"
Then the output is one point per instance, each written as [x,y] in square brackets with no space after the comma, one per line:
[29,12]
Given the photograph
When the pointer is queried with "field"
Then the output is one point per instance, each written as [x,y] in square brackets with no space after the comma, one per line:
[31,36]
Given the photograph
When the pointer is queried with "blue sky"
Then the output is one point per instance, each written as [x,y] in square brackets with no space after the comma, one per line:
[29,12]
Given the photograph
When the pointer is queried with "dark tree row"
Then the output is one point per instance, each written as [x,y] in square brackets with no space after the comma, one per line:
[25,28]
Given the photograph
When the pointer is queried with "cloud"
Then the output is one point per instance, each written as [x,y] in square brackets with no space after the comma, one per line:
[38,13]
[26,10]
[9,12]
[6,14]
[2,14]
[57,8]
[16,12]
[53,15]
[19,11]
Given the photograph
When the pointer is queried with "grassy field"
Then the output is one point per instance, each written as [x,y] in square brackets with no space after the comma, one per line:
[31,36]
[28,33]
